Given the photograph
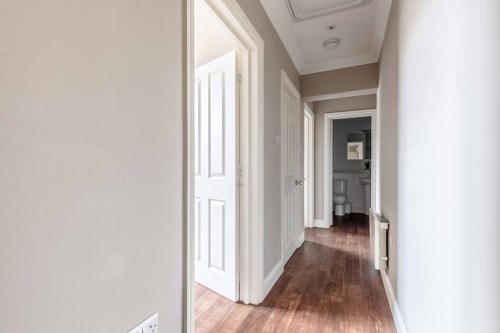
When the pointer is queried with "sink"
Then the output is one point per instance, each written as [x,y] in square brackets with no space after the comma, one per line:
[365,181]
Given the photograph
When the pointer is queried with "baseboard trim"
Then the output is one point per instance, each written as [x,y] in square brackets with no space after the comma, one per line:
[393,304]
[272,278]
[321,224]
[300,240]
[360,210]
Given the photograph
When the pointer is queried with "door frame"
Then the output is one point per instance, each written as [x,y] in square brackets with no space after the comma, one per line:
[309,220]
[251,127]
[328,165]
[285,81]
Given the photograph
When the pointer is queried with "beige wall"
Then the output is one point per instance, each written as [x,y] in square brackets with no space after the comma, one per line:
[276,58]
[90,165]
[320,108]
[339,80]
[211,37]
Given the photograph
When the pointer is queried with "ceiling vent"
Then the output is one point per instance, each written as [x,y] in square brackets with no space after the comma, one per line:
[302,10]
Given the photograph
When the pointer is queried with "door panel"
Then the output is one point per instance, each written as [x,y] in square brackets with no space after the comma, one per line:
[216,216]
[292,226]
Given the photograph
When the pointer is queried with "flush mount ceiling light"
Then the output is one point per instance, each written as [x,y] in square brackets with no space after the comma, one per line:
[331,43]
[302,10]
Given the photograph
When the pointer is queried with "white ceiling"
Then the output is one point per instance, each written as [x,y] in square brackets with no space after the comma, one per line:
[302,26]
[212,38]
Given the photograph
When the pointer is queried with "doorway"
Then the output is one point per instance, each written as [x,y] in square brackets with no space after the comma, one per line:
[224,237]
[329,170]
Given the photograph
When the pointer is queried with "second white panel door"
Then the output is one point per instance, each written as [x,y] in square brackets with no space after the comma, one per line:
[292,225]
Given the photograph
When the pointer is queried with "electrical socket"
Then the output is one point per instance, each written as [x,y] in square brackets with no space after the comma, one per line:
[149,325]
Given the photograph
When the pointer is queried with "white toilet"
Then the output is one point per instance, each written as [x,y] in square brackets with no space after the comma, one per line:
[339,196]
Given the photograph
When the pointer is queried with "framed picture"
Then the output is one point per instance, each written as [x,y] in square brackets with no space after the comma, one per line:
[355,151]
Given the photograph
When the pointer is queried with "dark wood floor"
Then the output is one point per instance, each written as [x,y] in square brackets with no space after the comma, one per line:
[329,285]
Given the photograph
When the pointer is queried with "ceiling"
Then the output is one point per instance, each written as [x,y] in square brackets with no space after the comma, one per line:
[212,38]
[305,25]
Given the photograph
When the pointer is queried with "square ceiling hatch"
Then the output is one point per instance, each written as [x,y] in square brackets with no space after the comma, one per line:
[306,9]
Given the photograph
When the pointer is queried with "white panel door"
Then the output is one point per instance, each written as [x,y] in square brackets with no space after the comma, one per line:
[292,226]
[216,195]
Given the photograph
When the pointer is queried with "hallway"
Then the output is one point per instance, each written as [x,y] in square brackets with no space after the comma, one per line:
[329,285]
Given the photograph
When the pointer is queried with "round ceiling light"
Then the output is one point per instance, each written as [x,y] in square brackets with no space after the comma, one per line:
[331,43]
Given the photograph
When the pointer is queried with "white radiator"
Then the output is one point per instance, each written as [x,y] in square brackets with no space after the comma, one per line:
[379,231]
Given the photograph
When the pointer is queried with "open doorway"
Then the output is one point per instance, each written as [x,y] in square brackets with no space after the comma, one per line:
[350,162]
[224,237]
[216,156]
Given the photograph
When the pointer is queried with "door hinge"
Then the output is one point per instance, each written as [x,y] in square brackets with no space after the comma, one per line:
[239,175]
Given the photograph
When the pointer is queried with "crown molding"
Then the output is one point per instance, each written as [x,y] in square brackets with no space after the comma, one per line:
[281,19]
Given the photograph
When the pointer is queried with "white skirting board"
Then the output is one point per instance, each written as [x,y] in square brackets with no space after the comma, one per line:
[360,210]
[320,224]
[271,278]
[275,273]
[396,314]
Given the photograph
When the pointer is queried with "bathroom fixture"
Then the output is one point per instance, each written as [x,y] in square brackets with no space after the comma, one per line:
[339,196]
[366,182]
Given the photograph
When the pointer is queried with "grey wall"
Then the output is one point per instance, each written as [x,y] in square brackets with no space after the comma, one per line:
[446,102]
[341,128]
[90,165]
[350,170]
[339,80]
[320,108]
[388,119]
[276,58]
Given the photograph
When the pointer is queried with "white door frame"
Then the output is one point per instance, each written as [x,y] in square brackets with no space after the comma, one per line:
[251,155]
[327,149]
[309,220]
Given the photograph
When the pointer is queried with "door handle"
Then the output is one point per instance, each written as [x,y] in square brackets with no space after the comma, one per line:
[298,182]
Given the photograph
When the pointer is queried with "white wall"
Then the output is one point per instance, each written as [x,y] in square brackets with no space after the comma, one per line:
[448,190]
[320,108]
[212,38]
[343,168]
[90,165]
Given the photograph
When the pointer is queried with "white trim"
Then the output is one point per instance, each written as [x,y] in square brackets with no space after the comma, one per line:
[331,65]
[359,210]
[251,155]
[327,149]
[282,21]
[310,190]
[393,304]
[188,182]
[320,223]
[272,277]
[351,93]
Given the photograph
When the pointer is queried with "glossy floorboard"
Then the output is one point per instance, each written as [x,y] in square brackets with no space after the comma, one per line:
[329,285]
